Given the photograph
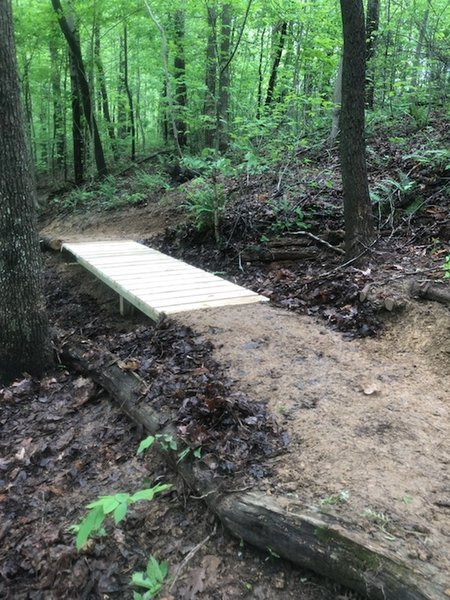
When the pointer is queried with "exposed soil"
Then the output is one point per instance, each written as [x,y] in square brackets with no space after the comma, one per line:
[361,392]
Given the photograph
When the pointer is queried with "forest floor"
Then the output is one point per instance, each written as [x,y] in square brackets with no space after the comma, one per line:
[358,392]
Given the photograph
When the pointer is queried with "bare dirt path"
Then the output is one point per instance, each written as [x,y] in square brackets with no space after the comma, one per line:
[369,420]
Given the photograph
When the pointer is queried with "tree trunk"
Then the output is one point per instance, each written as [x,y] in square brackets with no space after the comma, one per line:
[210,104]
[24,333]
[310,539]
[129,96]
[224,80]
[276,63]
[372,24]
[337,103]
[104,91]
[59,141]
[357,206]
[77,126]
[260,74]
[180,78]
[70,34]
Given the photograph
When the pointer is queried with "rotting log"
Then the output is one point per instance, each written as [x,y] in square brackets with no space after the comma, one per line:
[47,243]
[320,542]
[429,290]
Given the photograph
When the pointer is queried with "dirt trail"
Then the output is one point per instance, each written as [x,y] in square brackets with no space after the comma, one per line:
[369,419]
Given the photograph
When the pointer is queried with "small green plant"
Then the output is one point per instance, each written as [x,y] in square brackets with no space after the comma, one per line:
[286,217]
[380,519]
[334,499]
[108,187]
[167,442]
[446,267]
[149,183]
[152,579]
[75,199]
[116,506]
[393,191]
[437,158]
[206,197]
[407,499]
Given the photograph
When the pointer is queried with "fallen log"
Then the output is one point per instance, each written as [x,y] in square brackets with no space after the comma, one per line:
[278,253]
[47,243]
[320,542]
[431,290]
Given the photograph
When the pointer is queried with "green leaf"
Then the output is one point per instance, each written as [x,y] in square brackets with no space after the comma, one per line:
[146,443]
[120,512]
[92,522]
[149,493]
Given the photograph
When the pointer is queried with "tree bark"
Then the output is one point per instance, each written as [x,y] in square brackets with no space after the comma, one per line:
[440,292]
[73,42]
[59,141]
[180,78]
[358,218]
[310,539]
[372,24]
[104,91]
[223,100]
[210,103]
[276,64]
[77,126]
[126,86]
[24,332]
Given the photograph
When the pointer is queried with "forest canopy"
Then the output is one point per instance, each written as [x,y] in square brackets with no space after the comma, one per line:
[237,75]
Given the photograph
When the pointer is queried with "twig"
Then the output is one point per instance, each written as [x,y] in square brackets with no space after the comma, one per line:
[348,262]
[190,555]
[318,239]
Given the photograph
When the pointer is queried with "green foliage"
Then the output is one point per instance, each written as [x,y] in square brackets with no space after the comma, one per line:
[151,579]
[446,267]
[287,217]
[167,442]
[334,499]
[438,158]
[116,506]
[393,190]
[149,183]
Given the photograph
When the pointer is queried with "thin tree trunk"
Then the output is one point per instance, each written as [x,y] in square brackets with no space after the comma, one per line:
[70,33]
[337,103]
[129,95]
[260,74]
[210,104]
[77,126]
[276,63]
[357,207]
[372,24]
[223,100]
[104,91]
[24,331]
[59,142]
[180,78]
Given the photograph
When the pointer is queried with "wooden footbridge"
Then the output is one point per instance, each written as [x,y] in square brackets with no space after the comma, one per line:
[153,282]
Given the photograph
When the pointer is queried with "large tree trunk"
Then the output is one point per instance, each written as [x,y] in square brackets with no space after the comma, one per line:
[357,207]
[308,538]
[70,34]
[24,333]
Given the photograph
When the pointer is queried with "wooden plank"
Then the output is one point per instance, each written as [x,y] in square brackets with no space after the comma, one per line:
[156,283]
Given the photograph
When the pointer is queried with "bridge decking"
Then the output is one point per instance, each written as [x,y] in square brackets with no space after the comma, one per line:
[156,283]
